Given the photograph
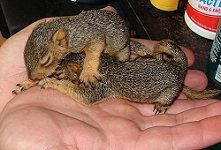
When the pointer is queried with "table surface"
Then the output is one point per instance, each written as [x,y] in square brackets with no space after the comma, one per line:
[151,23]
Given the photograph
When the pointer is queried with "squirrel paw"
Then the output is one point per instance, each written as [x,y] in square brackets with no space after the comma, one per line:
[89,78]
[24,85]
[159,108]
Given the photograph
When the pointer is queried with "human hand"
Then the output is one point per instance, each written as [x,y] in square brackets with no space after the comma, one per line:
[47,119]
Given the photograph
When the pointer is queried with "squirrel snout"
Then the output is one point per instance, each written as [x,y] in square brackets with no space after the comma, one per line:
[36,76]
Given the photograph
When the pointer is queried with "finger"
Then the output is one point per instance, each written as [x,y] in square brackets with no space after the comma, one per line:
[197,135]
[189,54]
[196,80]
[109,8]
[178,106]
[150,44]
[193,135]
[185,113]
[195,110]
[181,106]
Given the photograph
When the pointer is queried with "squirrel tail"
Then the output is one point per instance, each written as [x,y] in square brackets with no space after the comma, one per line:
[194,94]
[139,49]
[169,50]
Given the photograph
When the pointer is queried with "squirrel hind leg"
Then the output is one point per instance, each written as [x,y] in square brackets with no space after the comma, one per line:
[165,100]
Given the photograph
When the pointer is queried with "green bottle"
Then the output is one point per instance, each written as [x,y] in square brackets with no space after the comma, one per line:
[214,62]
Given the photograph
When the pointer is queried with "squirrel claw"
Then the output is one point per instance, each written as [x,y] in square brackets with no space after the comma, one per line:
[84,85]
[24,85]
[158,108]
[89,77]
[90,84]
[42,86]
[14,92]
[18,84]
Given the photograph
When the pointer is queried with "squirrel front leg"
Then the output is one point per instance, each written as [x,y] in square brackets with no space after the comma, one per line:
[90,73]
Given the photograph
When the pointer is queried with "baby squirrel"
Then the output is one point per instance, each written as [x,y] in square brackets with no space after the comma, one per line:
[91,32]
[157,80]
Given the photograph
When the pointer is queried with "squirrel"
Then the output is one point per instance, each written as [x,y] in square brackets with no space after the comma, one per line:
[91,32]
[157,79]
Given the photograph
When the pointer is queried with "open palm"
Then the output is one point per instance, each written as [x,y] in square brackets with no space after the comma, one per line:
[47,119]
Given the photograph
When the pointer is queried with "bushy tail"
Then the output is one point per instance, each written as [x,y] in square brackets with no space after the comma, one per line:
[194,94]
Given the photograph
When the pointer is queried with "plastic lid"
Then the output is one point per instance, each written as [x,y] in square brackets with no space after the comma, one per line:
[166,5]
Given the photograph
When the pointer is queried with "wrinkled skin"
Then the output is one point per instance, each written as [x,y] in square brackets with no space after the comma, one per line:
[47,119]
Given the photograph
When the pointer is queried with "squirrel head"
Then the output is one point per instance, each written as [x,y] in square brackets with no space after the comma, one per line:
[42,62]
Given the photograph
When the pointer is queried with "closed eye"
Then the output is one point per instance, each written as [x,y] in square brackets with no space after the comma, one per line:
[46,61]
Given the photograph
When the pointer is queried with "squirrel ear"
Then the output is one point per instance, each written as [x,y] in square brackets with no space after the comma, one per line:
[60,38]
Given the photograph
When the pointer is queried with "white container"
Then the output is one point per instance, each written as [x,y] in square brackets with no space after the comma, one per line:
[202,17]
